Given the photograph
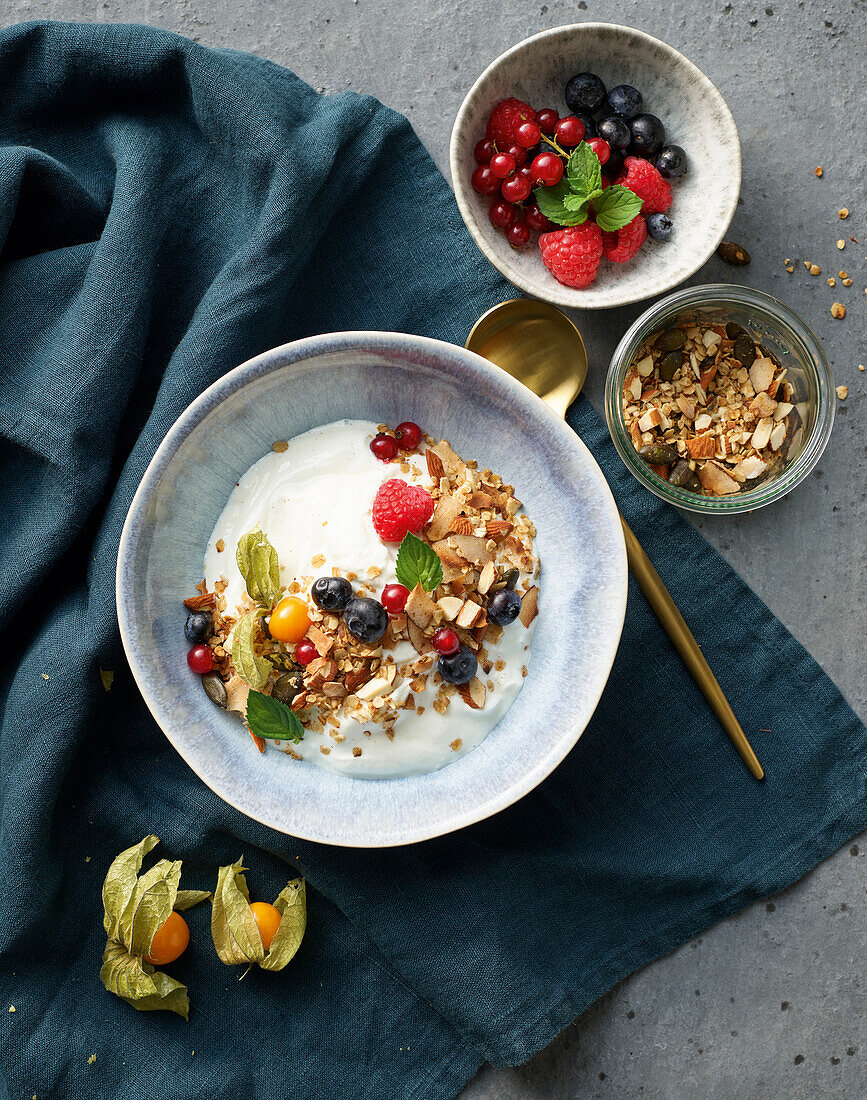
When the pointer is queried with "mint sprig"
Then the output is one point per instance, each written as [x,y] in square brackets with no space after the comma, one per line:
[418,563]
[273,720]
[568,202]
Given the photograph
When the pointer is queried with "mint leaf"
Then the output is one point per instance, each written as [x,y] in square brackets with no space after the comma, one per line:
[418,563]
[616,207]
[584,172]
[576,202]
[273,720]
[552,203]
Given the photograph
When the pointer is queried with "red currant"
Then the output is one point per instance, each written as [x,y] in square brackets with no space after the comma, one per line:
[515,188]
[601,148]
[547,119]
[384,447]
[305,652]
[408,435]
[547,169]
[393,598]
[502,165]
[502,214]
[536,219]
[518,234]
[484,150]
[518,154]
[527,135]
[201,659]
[446,641]
[525,173]
[569,131]
[484,181]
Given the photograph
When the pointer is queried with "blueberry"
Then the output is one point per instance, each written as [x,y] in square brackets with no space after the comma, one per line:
[615,131]
[331,593]
[198,627]
[624,100]
[458,668]
[648,135]
[671,162]
[504,607]
[366,619]
[585,93]
[658,227]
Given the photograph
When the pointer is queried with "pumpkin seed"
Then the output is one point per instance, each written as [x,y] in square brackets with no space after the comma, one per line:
[671,339]
[684,477]
[287,686]
[658,454]
[745,349]
[669,365]
[733,330]
[734,254]
[215,689]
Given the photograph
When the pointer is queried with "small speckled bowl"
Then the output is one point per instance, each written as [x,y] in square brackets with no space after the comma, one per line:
[695,116]
[383,377]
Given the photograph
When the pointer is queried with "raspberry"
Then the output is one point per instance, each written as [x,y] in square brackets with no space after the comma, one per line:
[621,246]
[505,119]
[642,178]
[400,507]
[572,255]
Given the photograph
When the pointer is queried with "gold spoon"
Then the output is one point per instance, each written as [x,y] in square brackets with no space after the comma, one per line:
[539,345]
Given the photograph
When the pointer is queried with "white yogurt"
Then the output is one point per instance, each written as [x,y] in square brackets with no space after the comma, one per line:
[314,499]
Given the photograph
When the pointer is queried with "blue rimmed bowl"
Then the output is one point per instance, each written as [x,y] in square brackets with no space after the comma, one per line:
[383,377]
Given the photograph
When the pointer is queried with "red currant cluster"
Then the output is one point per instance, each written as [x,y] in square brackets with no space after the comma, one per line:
[523,149]
[407,437]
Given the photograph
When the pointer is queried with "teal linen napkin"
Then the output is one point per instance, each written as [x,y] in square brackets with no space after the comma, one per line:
[166,212]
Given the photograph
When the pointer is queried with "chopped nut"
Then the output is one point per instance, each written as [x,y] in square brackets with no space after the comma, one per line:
[486,578]
[420,608]
[469,615]
[701,446]
[473,694]
[842,392]
[451,606]
[529,606]
[838,310]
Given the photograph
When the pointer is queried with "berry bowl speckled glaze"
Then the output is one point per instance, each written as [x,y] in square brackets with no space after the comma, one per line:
[487,415]
[695,116]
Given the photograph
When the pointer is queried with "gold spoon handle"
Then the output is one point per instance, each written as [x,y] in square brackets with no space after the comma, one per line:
[660,600]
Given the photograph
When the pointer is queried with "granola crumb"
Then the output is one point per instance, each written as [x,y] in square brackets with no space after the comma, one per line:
[847,282]
[280,446]
[832,282]
[843,213]
[838,310]
[860,366]
[356,751]
[317,560]
[843,274]
[221,546]
[841,244]
[843,391]
[818,172]
[815,269]
[456,744]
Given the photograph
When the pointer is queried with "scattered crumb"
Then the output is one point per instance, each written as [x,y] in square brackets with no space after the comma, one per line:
[832,282]
[12,1008]
[87,859]
[280,446]
[842,392]
[843,213]
[91,1059]
[107,677]
[789,268]
[847,282]
[860,366]
[44,675]
[838,310]
[843,274]
[841,244]
[787,261]
[221,546]
[317,560]
[356,751]
[456,744]
[818,172]
[815,269]
[807,264]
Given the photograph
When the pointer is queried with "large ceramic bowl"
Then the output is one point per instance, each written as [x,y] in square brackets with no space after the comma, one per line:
[695,116]
[384,377]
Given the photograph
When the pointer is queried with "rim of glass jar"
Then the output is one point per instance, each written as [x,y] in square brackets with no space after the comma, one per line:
[801,337]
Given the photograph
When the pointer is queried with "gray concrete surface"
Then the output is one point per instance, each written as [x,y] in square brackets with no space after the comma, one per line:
[770,1003]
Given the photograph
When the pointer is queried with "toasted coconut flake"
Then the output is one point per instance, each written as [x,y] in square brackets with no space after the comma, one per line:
[472,549]
[205,601]
[529,606]
[452,463]
[763,405]
[446,512]
[323,642]
[237,693]
[762,373]
[473,694]
[420,608]
[713,477]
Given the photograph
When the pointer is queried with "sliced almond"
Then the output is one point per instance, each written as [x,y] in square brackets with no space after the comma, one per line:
[356,677]
[434,465]
[463,525]
[333,689]
[650,420]
[198,603]
[762,373]
[373,689]
[529,606]
[713,477]
[762,433]
[686,406]
[452,463]
[777,436]
[469,615]
[749,468]
[497,527]
[633,386]
[451,606]
[320,671]
[782,410]
[702,446]
[486,578]
[473,694]
[702,422]
[706,377]
[645,366]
